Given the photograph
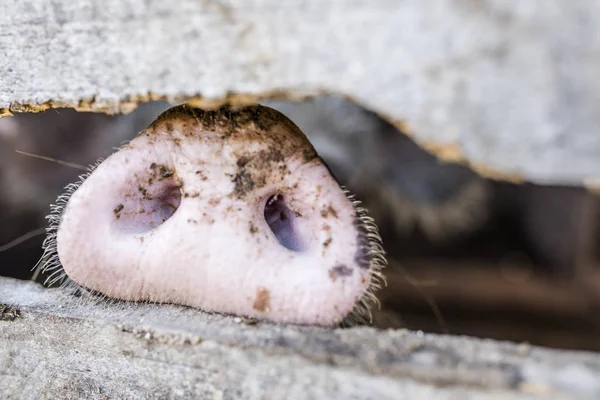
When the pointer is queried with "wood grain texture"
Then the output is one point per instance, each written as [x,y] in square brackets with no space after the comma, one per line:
[53,345]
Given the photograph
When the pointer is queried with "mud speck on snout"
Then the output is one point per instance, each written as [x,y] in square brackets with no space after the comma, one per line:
[254,168]
[339,271]
[262,302]
[252,228]
[243,183]
[326,244]
[8,313]
[161,172]
[117,210]
[329,211]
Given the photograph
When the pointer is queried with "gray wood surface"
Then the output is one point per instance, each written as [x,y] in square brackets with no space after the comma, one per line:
[54,345]
[512,87]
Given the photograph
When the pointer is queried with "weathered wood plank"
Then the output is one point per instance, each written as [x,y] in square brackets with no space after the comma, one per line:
[512,87]
[54,345]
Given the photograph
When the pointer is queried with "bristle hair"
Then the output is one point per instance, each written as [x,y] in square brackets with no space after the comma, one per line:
[361,314]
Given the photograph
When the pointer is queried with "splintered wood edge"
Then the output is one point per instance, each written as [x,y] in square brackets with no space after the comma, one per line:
[59,345]
[450,153]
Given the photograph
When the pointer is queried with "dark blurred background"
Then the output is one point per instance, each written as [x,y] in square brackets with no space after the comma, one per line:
[467,255]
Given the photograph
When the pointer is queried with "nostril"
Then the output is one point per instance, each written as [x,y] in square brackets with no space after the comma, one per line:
[146,204]
[281,220]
